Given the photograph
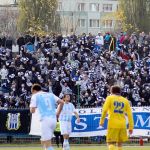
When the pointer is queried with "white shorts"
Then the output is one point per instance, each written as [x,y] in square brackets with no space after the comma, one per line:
[65,127]
[48,126]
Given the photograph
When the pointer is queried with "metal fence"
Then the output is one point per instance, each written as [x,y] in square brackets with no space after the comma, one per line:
[98,140]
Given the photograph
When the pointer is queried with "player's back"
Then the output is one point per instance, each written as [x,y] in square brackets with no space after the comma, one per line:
[46,104]
[117,108]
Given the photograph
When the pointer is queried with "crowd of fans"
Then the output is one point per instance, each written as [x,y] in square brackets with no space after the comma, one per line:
[85,66]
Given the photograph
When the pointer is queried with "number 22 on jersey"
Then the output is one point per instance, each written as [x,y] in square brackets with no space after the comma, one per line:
[118,107]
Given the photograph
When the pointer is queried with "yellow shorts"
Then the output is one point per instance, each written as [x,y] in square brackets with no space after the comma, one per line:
[117,135]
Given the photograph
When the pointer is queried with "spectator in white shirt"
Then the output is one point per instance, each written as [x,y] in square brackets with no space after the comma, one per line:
[99,40]
[3,73]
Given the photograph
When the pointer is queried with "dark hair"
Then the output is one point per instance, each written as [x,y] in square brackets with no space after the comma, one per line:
[36,87]
[115,89]
[66,95]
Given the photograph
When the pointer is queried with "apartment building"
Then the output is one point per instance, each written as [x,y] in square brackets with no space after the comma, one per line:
[82,15]
[87,15]
[8,5]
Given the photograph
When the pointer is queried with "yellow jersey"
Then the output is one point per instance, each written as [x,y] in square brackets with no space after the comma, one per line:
[117,107]
[57,129]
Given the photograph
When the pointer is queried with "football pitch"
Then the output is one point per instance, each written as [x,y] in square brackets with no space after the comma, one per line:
[78,148]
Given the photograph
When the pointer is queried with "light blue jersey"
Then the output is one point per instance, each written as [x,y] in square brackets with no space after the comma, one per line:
[67,112]
[45,103]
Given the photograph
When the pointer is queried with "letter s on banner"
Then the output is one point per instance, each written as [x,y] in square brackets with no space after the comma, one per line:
[84,125]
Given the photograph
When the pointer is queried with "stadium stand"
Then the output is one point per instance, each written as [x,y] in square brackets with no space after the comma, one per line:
[85,65]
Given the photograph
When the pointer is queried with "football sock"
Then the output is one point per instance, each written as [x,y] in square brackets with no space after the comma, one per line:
[65,140]
[50,148]
[119,148]
[112,147]
[66,145]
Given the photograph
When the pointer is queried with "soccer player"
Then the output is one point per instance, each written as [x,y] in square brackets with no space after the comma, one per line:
[117,107]
[46,104]
[65,120]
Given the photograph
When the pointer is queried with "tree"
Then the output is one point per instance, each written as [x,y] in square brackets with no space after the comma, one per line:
[119,21]
[70,22]
[38,16]
[8,19]
[136,13]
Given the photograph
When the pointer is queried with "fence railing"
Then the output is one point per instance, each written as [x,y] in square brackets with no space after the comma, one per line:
[98,140]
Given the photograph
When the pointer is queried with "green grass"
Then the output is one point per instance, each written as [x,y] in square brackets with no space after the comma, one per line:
[77,148]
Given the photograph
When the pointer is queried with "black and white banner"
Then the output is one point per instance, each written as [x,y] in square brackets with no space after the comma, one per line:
[14,121]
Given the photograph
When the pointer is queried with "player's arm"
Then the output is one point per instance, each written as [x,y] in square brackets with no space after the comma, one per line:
[60,106]
[32,109]
[104,111]
[130,118]
[77,116]
[33,104]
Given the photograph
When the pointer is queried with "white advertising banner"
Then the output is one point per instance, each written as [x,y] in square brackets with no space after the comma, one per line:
[89,124]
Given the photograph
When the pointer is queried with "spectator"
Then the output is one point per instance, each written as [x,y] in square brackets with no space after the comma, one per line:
[99,41]
[71,63]
[3,74]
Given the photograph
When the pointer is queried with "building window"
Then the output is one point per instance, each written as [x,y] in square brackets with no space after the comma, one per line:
[81,22]
[59,6]
[107,7]
[94,23]
[94,7]
[117,7]
[107,23]
[81,7]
